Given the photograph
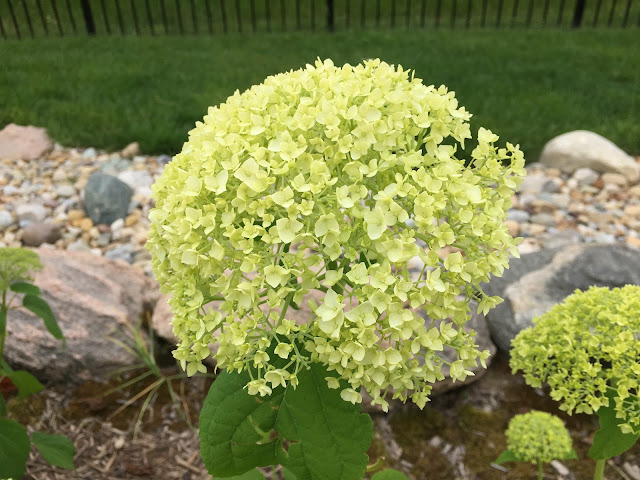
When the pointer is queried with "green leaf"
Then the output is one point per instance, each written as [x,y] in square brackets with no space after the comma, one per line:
[56,449]
[26,383]
[3,320]
[309,430]
[26,288]
[506,456]
[38,306]
[609,441]
[250,475]
[288,475]
[572,455]
[3,406]
[14,449]
[390,475]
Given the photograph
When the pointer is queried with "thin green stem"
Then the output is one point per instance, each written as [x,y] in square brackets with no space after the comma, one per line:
[599,473]
[540,473]
[3,323]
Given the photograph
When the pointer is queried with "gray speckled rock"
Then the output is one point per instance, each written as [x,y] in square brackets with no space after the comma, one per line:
[106,198]
[538,281]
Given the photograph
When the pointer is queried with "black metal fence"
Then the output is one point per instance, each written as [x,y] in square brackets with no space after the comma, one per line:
[38,18]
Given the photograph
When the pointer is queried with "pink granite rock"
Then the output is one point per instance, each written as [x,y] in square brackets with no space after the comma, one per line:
[92,298]
[27,143]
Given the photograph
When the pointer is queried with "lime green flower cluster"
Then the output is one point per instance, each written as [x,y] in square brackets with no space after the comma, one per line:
[584,347]
[16,265]
[332,179]
[538,437]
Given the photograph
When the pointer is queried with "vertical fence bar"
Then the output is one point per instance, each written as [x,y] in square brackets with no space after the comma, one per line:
[42,19]
[423,13]
[578,13]
[545,12]
[529,13]
[347,13]
[252,11]
[298,17]
[55,14]
[223,13]
[27,17]
[207,9]
[149,17]
[15,20]
[238,16]
[119,13]
[611,12]
[267,14]
[164,17]
[596,14]
[438,10]
[484,13]
[88,17]
[179,14]
[73,20]
[194,17]
[105,17]
[283,16]
[560,12]
[377,13]
[330,16]
[626,14]
[468,22]
[393,14]
[514,13]
[408,14]
[499,15]
[134,13]
[453,14]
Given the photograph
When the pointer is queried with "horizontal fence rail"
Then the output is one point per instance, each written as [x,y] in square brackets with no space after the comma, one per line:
[57,18]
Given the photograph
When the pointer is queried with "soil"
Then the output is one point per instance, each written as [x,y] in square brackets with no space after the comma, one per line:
[456,437]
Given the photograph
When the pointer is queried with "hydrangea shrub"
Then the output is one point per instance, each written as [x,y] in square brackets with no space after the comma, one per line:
[538,437]
[333,179]
[588,350]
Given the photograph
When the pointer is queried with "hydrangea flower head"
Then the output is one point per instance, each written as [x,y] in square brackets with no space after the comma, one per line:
[333,179]
[16,265]
[585,347]
[538,437]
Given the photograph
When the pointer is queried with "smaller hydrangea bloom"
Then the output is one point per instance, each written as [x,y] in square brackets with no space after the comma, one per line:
[538,437]
[585,347]
[16,265]
[332,180]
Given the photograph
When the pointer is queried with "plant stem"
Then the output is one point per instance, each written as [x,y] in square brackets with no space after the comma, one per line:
[599,473]
[540,473]
[3,323]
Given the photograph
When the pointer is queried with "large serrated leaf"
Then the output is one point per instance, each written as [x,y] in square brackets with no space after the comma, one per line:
[234,426]
[309,430]
[250,475]
[41,308]
[56,449]
[609,441]
[26,383]
[14,449]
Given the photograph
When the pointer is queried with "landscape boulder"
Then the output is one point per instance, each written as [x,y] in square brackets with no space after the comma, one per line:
[583,149]
[92,298]
[26,143]
[106,198]
[36,234]
[537,281]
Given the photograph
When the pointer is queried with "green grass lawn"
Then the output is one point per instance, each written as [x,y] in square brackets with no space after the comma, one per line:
[527,86]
